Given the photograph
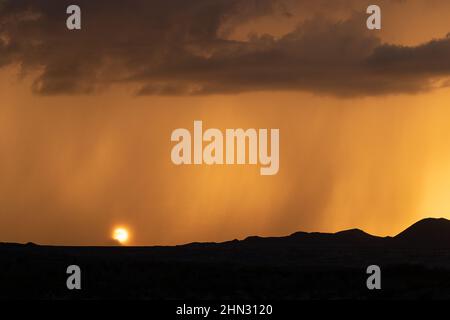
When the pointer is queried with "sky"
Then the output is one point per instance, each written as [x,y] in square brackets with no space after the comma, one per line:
[86,118]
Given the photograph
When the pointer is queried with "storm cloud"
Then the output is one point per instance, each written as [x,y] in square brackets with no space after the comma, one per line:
[183,48]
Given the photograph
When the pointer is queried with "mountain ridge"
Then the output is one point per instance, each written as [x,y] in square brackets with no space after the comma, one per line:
[425,232]
[416,262]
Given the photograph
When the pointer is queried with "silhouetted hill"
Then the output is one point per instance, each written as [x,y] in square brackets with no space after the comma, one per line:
[428,232]
[415,263]
[353,237]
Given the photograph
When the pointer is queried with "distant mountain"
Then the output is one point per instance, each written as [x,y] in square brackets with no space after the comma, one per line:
[428,232]
[415,263]
[352,237]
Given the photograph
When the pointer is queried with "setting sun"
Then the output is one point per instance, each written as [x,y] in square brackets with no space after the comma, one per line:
[120,235]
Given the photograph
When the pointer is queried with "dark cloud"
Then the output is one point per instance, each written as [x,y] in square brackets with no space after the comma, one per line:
[430,59]
[181,47]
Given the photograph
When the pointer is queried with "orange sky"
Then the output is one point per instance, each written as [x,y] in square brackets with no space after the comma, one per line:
[73,166]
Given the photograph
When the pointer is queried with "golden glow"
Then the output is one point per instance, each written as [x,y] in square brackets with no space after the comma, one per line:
[379,163]
[120,235]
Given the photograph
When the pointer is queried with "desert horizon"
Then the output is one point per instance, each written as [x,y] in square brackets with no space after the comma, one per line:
[124,243]
[302,266]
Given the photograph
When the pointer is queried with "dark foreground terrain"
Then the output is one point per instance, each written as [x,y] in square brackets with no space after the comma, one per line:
[414,264]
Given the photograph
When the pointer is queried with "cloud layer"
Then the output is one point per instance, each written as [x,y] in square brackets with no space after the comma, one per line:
[183,48]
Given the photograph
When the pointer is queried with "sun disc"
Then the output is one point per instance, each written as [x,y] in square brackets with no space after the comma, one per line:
[121,235]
